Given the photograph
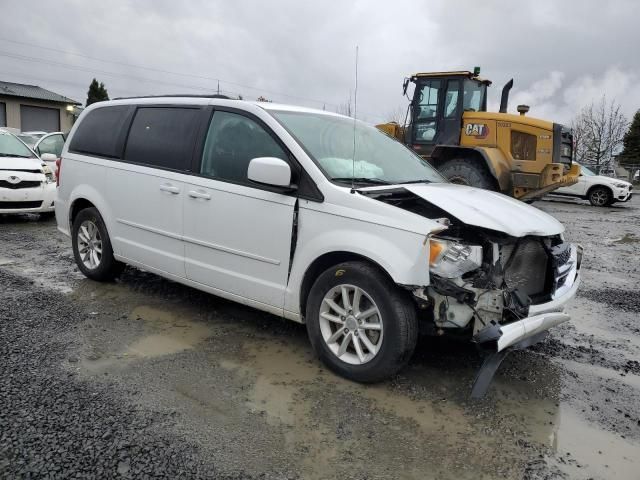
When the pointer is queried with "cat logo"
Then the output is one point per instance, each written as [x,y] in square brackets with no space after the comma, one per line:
[478,130]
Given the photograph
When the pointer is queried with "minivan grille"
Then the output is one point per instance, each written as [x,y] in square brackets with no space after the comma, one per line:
[19,205]
[23,184]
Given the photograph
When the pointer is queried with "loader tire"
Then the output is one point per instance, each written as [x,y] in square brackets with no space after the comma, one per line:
[468,172]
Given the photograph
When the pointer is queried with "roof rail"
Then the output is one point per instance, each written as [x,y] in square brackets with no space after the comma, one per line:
[190,95]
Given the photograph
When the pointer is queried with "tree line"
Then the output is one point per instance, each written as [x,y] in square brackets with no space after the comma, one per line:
[601,132]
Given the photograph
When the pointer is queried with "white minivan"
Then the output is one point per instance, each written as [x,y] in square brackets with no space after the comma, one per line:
[315,217]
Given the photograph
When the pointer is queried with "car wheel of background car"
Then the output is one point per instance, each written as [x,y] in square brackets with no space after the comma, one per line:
[468,172]
[361,325]
[600,197]
[92,247]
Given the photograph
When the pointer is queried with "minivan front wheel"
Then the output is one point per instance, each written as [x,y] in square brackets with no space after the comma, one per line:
[360,323]
[92,247]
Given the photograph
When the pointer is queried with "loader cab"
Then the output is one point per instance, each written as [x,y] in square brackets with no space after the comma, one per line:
[439,101]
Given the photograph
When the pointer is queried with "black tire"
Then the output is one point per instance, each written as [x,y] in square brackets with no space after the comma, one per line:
[468,172]
[47,215]
[397,311]
[600,197]
[108,267]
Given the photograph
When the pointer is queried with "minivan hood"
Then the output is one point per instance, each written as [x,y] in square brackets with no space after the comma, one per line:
[482,208]
[486,209]
[18,163]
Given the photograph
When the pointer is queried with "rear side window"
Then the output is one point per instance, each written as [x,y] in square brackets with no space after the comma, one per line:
[99,132]
[162,137]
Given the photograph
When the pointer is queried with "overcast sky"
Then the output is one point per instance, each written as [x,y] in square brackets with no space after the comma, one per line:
[561,54]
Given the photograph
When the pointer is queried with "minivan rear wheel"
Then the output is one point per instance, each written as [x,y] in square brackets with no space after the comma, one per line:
[361,325]
[92,247]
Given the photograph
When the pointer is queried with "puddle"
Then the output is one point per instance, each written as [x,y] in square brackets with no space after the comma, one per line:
[166,332]
[598,452]
[171,334]
[627,238]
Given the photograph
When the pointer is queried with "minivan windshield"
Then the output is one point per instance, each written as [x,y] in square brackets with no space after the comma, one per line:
[379,159]
[10,146]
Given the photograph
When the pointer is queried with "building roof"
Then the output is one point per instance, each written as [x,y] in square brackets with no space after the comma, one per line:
[34,92]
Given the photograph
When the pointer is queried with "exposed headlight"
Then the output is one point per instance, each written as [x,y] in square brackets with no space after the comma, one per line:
[620,185]
[48,174]
[451,259]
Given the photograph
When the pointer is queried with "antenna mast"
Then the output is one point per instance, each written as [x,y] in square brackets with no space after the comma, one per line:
[355,116]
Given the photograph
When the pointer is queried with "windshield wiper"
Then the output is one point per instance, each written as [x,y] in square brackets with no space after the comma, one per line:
[16,156]
[372,181]
[424,180]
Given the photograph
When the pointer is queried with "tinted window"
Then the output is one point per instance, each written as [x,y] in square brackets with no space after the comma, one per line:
[99,131]
[52,144]
[232,142]
[162,137]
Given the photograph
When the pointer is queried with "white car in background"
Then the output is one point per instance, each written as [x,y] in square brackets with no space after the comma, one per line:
[601,191]
[48,146]
[27,185]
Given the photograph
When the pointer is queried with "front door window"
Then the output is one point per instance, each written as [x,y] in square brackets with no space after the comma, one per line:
[232,142]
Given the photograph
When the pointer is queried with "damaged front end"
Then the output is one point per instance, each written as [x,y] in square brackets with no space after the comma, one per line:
[511,300]
[500,290]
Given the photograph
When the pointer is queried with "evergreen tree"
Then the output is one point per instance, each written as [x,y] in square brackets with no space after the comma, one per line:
[631,142]
[97,92]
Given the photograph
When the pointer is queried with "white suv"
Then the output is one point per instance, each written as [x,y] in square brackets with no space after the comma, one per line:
[601,191]
[315,217]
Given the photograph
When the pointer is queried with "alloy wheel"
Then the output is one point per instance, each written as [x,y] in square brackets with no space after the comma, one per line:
[90,244]
[599,197]
[351,324]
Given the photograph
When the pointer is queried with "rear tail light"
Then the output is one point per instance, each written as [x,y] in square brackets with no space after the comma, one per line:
[58,171]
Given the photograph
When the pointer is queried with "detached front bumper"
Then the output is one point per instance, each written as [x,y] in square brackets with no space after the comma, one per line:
[498,340]
[542,316]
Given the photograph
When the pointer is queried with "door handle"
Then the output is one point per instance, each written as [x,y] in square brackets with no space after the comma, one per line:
[202,195]
[170,189]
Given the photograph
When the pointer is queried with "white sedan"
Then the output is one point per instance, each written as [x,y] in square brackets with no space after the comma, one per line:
[27,184]
[601,191]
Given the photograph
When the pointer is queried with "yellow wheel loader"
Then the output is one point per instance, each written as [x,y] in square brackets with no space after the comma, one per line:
[449,126]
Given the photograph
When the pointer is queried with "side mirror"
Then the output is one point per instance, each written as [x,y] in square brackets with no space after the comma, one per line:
[269,171]
[48,157]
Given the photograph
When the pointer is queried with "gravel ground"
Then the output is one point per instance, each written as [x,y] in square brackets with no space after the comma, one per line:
[146,378]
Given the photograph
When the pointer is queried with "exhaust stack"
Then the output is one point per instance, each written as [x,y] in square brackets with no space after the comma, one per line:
[505,96]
